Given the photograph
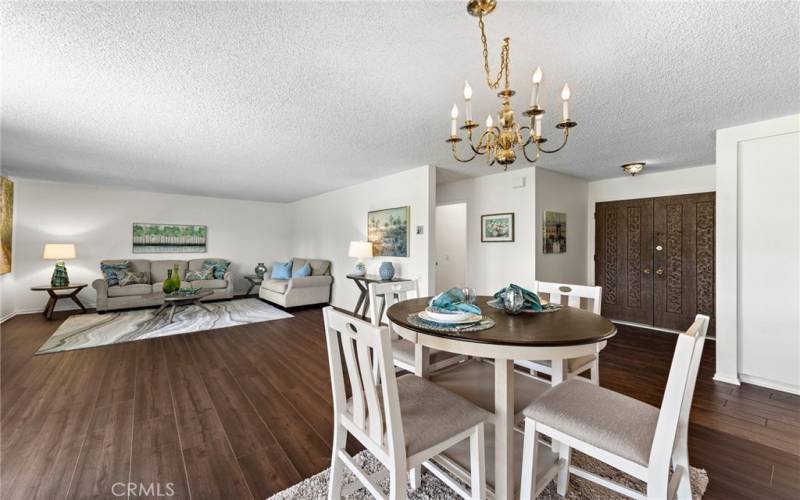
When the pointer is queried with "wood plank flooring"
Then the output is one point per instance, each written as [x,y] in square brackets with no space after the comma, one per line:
[245,412]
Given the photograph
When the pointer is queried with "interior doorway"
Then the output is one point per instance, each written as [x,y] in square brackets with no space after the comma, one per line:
[451,246]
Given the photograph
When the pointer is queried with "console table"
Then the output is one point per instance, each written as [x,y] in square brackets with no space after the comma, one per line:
[51,290]
[362,282]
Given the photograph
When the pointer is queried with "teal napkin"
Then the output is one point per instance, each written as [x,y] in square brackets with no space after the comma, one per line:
[532,302]
[453,300]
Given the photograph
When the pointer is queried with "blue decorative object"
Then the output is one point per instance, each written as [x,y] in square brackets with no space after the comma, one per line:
[281,270]
[303,271]
[386,271]
[110,272]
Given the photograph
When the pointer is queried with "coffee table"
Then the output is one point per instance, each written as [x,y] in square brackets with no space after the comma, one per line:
[174,300]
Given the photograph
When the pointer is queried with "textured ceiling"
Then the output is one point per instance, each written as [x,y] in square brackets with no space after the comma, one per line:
[278,101]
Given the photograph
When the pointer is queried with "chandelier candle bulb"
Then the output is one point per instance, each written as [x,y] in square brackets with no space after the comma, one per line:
[453,116]
[468,99]
[565,94]
[537,79]
[489,122]
[537,126]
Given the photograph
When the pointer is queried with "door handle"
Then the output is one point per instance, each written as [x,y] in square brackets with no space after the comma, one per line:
[646,271]
[659,272]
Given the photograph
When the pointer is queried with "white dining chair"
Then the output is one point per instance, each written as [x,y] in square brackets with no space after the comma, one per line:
[407,355]
[404,422]
[582,297]
[632,436]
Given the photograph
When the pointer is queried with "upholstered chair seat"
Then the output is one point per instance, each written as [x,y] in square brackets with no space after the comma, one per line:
[600,417]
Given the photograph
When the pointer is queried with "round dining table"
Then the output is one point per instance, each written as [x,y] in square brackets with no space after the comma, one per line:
[557,336]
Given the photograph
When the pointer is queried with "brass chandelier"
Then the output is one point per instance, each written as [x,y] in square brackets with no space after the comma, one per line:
[499,143]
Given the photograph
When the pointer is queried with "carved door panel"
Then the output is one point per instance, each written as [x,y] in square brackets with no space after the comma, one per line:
[624,259]
[683,260]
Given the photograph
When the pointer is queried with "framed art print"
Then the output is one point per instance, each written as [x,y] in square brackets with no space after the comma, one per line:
[497,227]
[388,231]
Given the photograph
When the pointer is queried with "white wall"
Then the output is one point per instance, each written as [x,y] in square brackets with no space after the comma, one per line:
[649,184]
[98,220]
[495,265]
[324,225]
[758,254]
[451,246]
[566,194]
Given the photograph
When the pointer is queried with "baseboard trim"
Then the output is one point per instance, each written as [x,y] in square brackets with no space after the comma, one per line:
[7,317]
[770,384]
[727,379]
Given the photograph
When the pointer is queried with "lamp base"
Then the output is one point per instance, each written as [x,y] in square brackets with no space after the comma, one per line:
[60,276]
[360,269]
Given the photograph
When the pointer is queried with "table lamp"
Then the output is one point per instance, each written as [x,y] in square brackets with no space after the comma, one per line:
[360,250]
[59,252]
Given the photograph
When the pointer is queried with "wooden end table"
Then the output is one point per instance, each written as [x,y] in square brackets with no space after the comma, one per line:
[255,281]
[178,299]
[51,290]
[362,282]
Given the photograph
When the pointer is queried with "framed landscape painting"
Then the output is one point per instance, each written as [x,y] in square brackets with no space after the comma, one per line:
[6,223]
[555,232]
[168,238]
[497,227]
[387,230]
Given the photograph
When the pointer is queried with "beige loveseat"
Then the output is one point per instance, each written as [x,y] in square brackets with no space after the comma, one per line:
[314,289]
[110,298]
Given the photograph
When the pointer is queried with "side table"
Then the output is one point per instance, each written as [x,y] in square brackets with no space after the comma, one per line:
[51,290]
[362,282]
[255,281]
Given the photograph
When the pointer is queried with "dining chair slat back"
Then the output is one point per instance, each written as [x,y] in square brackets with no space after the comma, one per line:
[374,400]
[579,296]
[392,292]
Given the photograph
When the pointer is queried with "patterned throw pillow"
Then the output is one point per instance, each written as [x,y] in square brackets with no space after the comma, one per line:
[110,272]
[206,273]
[220,267]
[126,278]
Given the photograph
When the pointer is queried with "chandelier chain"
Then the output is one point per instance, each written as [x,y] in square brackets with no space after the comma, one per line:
[503,59]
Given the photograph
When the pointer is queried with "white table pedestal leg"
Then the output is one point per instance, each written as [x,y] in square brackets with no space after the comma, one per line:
[421,360]
[503,429]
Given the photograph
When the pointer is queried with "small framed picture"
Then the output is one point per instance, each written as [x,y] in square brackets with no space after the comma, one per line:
[497,227]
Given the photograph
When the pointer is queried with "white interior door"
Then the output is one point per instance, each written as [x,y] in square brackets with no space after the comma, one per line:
[451,246]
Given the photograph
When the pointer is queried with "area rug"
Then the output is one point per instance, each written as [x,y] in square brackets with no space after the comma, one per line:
[82,331]
[316,487]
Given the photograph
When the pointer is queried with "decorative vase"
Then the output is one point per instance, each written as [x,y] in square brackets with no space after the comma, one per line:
[260,269]
[173,281]
[513,301]
[386,271]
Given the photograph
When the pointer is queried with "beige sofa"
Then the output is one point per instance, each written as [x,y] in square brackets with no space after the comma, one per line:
[110,298]
[314,289]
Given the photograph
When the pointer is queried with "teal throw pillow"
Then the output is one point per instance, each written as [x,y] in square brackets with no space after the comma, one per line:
[303,271]
[281,270]
[206,273]
[220,267]
[110,272]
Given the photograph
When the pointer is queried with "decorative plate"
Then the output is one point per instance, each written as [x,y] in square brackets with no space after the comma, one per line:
[444,316]
[466,319]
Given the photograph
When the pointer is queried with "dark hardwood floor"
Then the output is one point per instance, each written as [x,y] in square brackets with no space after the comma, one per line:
[245,412]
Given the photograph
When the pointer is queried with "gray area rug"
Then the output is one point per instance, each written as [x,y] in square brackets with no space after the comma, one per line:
[316,487]
[82,331]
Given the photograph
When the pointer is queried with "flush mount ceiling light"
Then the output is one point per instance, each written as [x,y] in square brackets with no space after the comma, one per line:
[500,142]
[633,168]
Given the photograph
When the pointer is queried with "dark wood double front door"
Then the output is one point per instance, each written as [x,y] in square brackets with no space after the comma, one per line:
[654,258]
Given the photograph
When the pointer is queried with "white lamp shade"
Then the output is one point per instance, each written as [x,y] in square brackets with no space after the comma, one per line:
[360,249]
[59,251]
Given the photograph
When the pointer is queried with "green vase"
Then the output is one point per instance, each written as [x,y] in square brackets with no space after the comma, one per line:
[173,281]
